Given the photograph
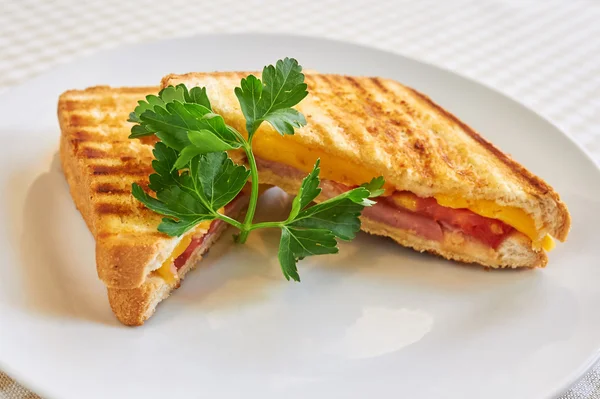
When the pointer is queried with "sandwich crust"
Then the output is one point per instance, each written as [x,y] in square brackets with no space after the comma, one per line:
[100,164]
[382,126]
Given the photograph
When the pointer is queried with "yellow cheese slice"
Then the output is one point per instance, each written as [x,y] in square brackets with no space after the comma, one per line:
[405,200]
[273,148]
[166,270]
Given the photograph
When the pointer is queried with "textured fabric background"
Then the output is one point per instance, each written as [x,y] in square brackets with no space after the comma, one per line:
[545,54]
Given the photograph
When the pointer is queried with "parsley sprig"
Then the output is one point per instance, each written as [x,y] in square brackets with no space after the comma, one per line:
[195,177]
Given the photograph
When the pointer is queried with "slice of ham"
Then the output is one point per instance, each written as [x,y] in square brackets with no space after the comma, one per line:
[428,219]
[404,219]
[197,241]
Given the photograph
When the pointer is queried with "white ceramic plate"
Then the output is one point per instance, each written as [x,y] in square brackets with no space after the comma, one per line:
[375,320]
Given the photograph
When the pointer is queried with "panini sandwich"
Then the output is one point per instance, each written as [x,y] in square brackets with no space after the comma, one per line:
[448,190]
[139,265]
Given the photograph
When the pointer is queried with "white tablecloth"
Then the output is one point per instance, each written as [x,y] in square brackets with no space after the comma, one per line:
[545,54]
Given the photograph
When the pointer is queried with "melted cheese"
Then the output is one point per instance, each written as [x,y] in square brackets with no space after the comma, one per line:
[407,201]
[273,148]
[167,270]
[548,243]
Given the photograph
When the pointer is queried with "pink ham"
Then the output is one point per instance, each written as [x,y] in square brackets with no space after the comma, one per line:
[404,219]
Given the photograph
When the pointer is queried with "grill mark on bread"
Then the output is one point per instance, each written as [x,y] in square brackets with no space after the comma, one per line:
[83,135]
[100,104]
[126,209]
[120,170]
[109,188]
[377,82]
[82,120]
[354,83]
[113,209]
[94,153]
[88,120]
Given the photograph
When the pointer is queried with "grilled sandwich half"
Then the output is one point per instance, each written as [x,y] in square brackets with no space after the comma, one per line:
[139,265]
[448,190]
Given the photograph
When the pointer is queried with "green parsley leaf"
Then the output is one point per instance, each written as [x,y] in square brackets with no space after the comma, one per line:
[165,177]
[339,217]
[172,123]
[194,195]
[185,122]
[285,120]
[340,214]
[375,186]
[216,179]
[185,210]
[271,100]
[297,244]
[309,190]
[202,142]
[167,95]
[312,230]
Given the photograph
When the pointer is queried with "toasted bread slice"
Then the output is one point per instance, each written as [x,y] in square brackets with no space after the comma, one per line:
[364,127]
[100,163]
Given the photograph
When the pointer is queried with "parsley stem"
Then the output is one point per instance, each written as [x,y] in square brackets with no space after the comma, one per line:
[247,226]
[265,225]
[229,220]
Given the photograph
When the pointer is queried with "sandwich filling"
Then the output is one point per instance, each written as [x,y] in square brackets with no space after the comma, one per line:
[190,242]
[484,221]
